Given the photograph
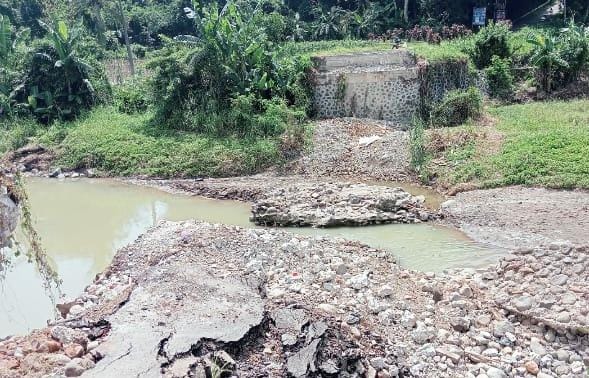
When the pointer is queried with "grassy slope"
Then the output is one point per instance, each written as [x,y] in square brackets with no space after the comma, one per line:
[545,143]
[447,50]
[121,144]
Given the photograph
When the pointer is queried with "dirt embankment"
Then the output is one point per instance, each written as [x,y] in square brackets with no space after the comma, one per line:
[518,216]
[356,148]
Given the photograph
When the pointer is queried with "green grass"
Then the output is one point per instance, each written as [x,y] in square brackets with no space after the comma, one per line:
[128,145]
[322,48]
[445,51]
[546,144]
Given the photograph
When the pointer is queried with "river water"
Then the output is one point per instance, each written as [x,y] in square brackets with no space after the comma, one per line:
[82,223]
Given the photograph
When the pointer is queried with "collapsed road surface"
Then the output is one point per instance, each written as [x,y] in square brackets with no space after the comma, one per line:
[195,299]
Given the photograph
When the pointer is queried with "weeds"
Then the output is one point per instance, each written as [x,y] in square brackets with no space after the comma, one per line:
[417,145]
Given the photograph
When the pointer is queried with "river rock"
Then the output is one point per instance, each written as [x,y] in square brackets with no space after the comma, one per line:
[537,347]
[494,372]
[77,367]
[66,335]
[523,303]
[532,367]
[330,205]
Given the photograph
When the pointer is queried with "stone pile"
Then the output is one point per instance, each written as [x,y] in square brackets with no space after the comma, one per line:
[549,285]
[330,204]
[265,302]
[338,151]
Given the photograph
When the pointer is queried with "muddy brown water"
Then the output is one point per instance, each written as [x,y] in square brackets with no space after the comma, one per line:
[83,222]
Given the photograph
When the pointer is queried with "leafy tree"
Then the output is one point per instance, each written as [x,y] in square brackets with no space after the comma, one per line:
[57,84]
[227,79]
[574,42]
[9,62]
[546,58]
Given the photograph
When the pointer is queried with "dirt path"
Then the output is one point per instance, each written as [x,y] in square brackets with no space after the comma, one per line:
[521,217]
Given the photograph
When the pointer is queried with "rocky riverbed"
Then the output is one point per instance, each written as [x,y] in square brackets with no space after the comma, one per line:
[188,298]
[517,216]
[338,204]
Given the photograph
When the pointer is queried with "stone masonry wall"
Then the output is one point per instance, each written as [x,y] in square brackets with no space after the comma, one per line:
[388,86]
[373,85]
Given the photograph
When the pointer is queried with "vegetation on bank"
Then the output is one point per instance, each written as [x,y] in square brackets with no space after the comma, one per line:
[228,90]
[542,143]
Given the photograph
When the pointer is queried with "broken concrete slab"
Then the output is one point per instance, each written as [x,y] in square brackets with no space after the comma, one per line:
[176,307]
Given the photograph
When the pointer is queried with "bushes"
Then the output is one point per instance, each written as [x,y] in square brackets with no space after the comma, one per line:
[457,107]
[490,41]
[131,98]
[499,78]
[231,80]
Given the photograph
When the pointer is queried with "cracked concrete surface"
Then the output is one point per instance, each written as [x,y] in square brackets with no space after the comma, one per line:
[175,307]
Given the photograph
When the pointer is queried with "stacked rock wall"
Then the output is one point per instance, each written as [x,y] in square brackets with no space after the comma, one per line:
[390,86]
[372,85]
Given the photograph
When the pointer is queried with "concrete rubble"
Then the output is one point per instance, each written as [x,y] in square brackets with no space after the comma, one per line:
[190,298]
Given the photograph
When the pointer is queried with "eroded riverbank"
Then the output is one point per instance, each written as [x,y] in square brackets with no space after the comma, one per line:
[83,222]
[285,305]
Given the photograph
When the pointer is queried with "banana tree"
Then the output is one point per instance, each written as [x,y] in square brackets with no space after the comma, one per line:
[58,83]
[546,58]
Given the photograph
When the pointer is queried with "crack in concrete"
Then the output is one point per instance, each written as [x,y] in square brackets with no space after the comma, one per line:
[127,352]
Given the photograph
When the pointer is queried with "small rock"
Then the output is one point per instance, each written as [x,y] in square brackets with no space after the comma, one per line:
[577,367]
[329,367]
[537,347]
[482,320]
[326,307]
[501,327]
[359,281]
[532,367]
[466,291]
[353,319]
[460,324]
[563,317]
[421,335]
[74,350]
[385,291]
[408,320]
[77,367]
[378,363]
[493,372]
[288,339]
[523,303]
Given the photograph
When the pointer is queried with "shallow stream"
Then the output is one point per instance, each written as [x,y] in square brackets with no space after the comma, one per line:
[83,222]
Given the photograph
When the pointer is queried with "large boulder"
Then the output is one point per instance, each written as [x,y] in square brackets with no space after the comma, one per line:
[8,218]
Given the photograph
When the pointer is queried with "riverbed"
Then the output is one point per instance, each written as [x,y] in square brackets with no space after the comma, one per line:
[83,223]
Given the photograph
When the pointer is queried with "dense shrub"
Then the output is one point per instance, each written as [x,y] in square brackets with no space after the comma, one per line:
[131,98]
[574,46]
[231,80]
[457,107]
[490,41]
[57,82]
[500,78]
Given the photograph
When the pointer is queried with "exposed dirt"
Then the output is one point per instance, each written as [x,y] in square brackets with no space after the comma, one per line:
[518,216]
[339,150]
